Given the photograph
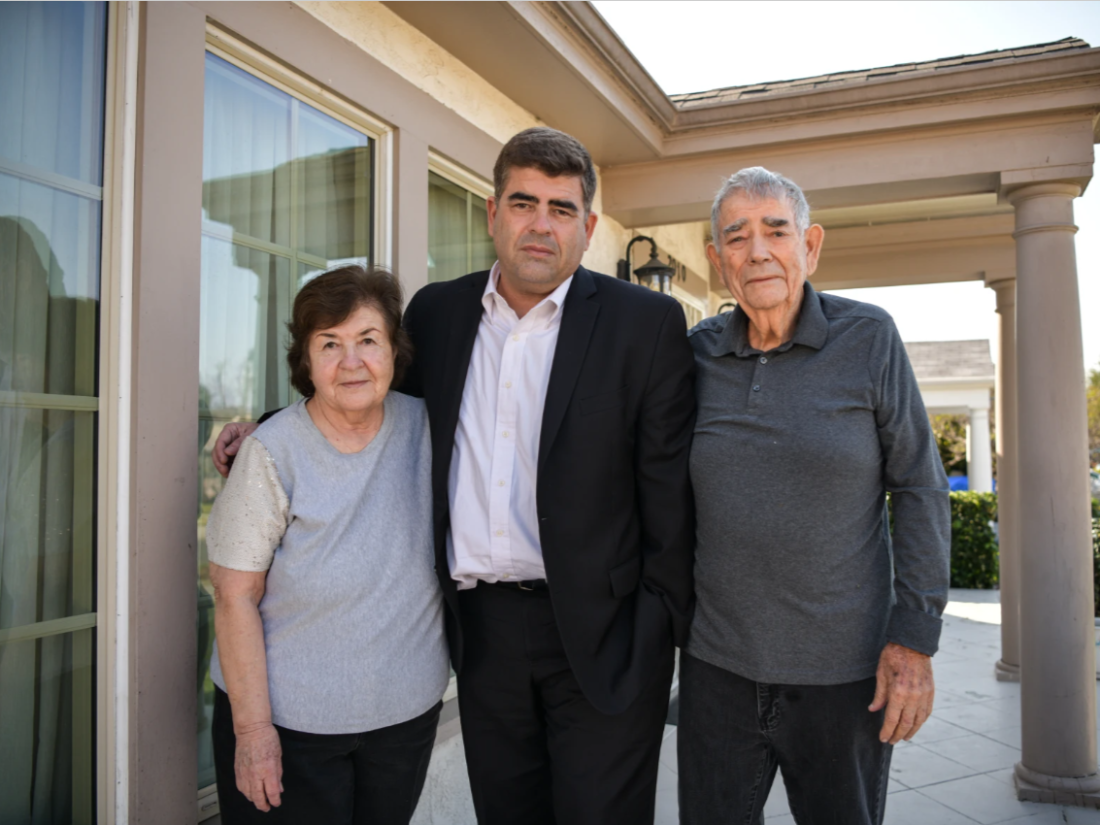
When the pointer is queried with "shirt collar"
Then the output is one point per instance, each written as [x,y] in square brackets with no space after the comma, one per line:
[495,304]
[811,330]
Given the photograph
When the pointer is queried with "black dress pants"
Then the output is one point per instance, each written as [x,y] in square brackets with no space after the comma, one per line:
[371,778]
[734,733]
[537,752]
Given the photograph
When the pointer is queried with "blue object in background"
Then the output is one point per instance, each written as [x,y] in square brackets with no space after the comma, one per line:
[958,483]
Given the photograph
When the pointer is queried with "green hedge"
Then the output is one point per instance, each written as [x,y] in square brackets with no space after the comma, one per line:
[1096,554]
[974,561]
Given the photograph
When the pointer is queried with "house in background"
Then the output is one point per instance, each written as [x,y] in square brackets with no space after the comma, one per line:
[171,173]
[957,378]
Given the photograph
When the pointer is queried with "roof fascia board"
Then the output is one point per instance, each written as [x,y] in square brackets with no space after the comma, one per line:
[1039,105]
[556,25]
[588,25]
[1022,76]
[1027,84]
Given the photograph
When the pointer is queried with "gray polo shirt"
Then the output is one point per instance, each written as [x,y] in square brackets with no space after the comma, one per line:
[797,578]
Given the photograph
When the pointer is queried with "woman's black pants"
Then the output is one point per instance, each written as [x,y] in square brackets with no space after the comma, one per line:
[339,779]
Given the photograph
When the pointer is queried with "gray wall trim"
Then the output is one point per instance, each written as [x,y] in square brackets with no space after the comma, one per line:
[410,210]
[164,432]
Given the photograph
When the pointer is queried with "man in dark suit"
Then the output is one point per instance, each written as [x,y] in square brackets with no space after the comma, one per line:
[561,405]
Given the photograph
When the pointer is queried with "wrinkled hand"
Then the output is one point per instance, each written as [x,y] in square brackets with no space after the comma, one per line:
[229,442]
[906,689]
[259,766]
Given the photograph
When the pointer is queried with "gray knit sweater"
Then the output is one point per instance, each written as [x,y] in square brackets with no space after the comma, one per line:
[352,612]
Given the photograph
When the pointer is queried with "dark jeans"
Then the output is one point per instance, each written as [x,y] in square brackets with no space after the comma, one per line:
[734,733]
[537,752]
[371,778]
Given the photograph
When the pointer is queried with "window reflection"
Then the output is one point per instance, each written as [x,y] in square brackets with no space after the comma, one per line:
[286,194]
[53,58]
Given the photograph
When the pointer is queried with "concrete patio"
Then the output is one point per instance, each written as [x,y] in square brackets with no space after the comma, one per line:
[958,769]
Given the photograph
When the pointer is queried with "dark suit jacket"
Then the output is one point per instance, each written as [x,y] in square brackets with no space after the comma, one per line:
[616,518]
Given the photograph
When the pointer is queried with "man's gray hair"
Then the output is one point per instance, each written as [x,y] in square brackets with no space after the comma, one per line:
[757,183]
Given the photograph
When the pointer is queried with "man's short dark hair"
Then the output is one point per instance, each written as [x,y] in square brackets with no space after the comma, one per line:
[553,153]
[329,300]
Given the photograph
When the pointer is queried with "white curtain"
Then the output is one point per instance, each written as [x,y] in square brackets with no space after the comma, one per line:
[458,239]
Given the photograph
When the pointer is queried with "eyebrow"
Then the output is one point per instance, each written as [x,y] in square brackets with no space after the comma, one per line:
[561,203]
[362,332]
[739,224]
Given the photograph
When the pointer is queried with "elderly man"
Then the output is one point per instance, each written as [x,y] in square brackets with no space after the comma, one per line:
[810,649]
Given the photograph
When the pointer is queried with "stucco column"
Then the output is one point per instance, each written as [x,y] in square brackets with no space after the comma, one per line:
[979,458]
[1057,656]
[1008,516]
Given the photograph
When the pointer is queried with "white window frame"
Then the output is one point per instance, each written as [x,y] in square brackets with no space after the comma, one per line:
[459,175]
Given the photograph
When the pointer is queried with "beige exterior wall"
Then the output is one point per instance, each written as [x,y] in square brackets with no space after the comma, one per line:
[379,32]
[408,52]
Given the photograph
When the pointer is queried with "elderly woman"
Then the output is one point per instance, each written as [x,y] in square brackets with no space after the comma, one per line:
[330,659]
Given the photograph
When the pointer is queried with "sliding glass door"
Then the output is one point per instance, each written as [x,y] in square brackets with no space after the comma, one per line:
[52,59]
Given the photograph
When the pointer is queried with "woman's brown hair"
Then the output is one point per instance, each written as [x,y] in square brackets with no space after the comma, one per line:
[328,300]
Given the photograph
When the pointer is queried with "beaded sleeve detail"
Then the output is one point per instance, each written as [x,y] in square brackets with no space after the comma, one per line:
[249,517]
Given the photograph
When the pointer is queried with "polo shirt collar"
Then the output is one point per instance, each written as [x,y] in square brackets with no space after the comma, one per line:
[811,330]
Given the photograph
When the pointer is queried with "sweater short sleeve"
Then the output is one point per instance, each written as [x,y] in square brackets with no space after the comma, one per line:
[249,517]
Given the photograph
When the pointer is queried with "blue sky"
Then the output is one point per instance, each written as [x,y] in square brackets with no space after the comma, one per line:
[689,46]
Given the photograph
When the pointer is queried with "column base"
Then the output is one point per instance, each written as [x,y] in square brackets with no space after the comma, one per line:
[1006,672]
[1031,786]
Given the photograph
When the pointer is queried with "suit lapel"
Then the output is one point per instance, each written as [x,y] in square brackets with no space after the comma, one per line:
[577,321]
[463,321]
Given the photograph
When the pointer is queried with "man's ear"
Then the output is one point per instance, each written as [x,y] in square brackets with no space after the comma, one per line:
[589,228]
[491,212]
[815,238]
[714,258]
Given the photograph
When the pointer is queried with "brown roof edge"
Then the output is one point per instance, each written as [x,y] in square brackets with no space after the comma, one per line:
[728,94]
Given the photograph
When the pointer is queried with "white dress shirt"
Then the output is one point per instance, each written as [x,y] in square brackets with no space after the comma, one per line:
[494,533]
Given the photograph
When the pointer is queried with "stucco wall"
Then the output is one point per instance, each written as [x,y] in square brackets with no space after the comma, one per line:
[411,54]
[408,52]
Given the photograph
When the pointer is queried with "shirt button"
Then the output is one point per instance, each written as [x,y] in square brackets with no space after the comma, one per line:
[763,359]
[505,433]
[500,532]
[756,388]
[500,483]
[506,576]
[515,337]
[507,385]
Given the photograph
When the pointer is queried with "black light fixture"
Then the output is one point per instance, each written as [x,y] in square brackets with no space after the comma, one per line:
[654,273]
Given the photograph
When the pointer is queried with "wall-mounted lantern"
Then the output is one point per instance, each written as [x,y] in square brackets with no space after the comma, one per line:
[654,273]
